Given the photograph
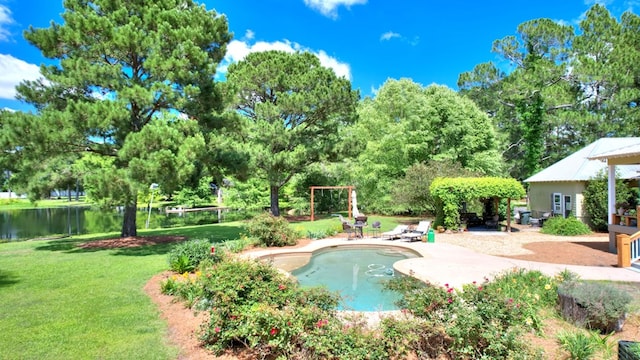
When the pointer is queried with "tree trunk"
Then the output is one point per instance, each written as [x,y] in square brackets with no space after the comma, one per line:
[129,221]
[275,206]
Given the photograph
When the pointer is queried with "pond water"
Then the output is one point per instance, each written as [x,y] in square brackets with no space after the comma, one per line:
[22,224]
[357,273]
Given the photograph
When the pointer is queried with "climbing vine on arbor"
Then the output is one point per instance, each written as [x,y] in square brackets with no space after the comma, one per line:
[451,192]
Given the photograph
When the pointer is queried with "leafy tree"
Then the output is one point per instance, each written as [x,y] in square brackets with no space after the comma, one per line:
[412,191]
[604,67]
[407,124]
[294,109]
[564,89]
[117,67]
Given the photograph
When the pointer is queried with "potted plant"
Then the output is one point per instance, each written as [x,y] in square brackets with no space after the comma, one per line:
[622,207]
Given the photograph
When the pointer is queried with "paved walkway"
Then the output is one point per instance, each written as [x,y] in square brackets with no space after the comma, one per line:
[455,265]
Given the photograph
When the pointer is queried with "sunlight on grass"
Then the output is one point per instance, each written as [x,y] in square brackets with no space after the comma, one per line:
[64,302]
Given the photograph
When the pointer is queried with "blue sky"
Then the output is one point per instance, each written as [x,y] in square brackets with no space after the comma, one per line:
[368,41]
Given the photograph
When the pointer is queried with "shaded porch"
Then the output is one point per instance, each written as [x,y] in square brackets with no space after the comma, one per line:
[623,229]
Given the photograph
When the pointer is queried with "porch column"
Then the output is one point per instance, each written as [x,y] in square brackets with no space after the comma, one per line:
[612,192]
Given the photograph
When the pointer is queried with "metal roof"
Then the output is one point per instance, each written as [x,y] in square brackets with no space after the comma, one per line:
[584,164]
[625,151]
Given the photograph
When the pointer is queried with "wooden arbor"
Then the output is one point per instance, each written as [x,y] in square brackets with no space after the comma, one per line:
[314,188]
[450,192]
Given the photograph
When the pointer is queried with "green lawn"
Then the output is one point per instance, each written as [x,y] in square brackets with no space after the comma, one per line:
[63,302]
[7,204]
[60,301]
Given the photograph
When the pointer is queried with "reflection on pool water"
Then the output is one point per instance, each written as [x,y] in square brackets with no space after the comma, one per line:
[357,273]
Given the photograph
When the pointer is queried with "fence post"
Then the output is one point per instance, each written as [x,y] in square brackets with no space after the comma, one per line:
[623,243]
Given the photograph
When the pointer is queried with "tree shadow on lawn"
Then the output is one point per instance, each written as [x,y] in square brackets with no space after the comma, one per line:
[154,242]
[7,278]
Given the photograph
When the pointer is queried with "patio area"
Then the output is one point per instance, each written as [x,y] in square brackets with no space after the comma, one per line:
[462,258]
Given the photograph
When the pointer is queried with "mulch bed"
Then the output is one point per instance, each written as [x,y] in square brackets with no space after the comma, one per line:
[129,242]
[570,253]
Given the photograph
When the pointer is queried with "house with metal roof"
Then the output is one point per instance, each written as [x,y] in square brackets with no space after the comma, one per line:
[559,188]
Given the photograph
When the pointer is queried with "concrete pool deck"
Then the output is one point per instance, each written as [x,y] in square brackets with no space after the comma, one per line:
[444,263]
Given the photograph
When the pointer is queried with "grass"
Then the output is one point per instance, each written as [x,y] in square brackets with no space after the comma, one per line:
[63,302]
[324,222]
[8,204]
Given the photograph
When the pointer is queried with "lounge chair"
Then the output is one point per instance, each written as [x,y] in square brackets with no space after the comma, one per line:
[417,233]
[395,233]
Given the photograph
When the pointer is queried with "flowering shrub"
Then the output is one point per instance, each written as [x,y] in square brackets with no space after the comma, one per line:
[481,320]
[271,230]
[255,306]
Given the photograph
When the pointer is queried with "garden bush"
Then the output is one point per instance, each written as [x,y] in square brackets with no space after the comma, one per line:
[594,306]
[483,320]
[186,256]
[253,305]
[271,230]
[595,199]
[569,226]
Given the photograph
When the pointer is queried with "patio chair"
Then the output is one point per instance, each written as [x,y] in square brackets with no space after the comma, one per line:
[395,233]
[375,229]
[540,220]
[493,222]
[417,233]
[350,229]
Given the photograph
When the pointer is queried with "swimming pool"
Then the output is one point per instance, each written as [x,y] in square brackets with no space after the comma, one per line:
[356,272]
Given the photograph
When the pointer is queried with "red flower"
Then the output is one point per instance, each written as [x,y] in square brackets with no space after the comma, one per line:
[217,329]
[321,323]
[450,290]
[273,331]
[449,300]
[213,250]
[479,288]
[282,287]
[446,285]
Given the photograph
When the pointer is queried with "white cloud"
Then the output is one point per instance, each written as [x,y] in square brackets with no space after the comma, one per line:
[249,35]
[389,35]
[5,19]
[8,109]
[329,8]
[341,69]
[238,50]
[13,72]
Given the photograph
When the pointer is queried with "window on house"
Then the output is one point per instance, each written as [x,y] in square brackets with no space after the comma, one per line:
[567,207]
[556,203]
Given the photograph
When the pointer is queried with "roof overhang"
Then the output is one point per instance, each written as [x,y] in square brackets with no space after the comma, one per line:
[629,155]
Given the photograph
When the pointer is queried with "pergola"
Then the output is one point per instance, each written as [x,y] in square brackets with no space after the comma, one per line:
[314,188]
[453,191]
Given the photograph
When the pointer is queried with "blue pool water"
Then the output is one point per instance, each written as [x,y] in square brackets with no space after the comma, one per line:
[357,274]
